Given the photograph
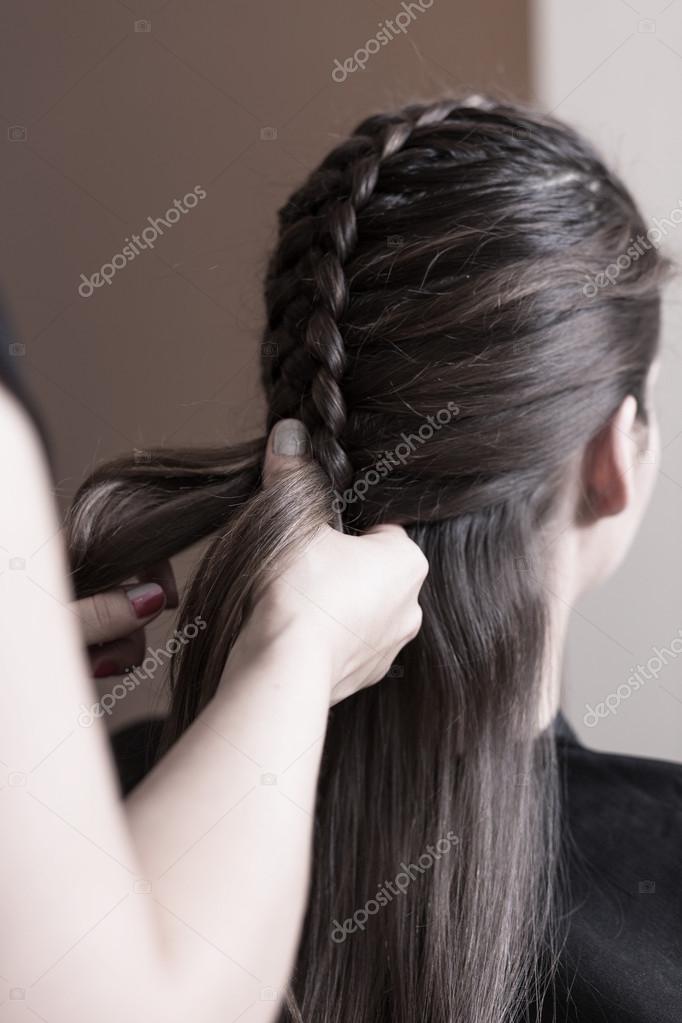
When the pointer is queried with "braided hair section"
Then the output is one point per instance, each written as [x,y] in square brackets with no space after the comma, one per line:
[306,286]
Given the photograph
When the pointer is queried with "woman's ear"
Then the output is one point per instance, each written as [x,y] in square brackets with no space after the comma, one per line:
[608,464]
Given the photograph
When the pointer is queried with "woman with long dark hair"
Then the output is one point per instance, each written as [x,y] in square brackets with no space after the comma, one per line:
[439,321]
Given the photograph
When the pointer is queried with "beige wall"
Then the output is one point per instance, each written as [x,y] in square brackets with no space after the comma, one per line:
[617,73]
[114,124]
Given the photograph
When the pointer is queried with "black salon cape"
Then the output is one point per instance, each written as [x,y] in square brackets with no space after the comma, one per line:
[622,821]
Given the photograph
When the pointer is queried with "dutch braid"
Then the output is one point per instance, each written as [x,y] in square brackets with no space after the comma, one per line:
[306,285]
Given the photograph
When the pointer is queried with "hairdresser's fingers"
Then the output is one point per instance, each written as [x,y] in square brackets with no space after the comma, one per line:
[117,613]
[119,656]
[288,446]
[162,573]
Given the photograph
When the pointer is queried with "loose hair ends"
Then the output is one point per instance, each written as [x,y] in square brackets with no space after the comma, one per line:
[448,744]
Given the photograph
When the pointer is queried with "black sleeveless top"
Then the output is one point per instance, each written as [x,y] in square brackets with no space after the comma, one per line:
[622,821]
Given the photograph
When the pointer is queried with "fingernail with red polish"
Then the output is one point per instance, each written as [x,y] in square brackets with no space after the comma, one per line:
[106,668]
[146,599]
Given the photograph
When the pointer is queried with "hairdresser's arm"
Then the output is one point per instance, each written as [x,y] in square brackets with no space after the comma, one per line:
[75,936]
[82,934]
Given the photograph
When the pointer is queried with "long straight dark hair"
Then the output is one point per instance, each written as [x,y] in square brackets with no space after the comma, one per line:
[438,316]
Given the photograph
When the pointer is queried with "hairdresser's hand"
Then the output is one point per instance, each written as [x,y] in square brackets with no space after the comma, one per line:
[113,623]
[351,599]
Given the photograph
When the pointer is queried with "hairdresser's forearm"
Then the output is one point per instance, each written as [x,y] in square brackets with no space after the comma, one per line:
[224,823]
[74,896]
[68,896]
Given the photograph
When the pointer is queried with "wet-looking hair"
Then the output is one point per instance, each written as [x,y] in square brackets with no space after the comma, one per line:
[432,317]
